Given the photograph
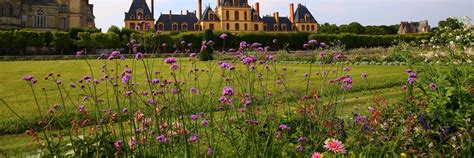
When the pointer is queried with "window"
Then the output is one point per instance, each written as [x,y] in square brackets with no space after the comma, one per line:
[23,20]
[255,27]
[132,26]
[227,15]
[283,27]
[237,27]
[236,15]
[139,15]
[132,17]
[245,16]
[62,23]
[227,26]
[40,19]
[184,27]
[161,27]
[245,27]
[175,27]
[147,17]
[211,26]
[275,27]
[211,16]
[255,18]
[295,28]
[197,27]
[306,18]
[264,27]
[63,8]
[312,28]
[227,4]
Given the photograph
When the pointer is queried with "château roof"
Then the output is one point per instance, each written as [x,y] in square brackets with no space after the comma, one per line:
[205,15]
[270,21]
[231,3]
[189,18]
[300,13]
[138,5]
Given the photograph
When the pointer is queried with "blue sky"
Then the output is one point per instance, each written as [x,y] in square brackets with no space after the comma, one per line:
[366,12]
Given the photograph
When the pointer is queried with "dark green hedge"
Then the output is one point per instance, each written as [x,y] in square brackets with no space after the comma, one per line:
[351,41]
[16,42]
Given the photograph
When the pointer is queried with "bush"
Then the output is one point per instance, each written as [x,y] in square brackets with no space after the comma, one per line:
[352,41]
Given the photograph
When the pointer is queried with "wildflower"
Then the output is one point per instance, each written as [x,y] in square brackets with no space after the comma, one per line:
[162,139]
[155,81]
[27,78]
[193,117]
[243,44]
[228,91]
[305,45]
[256,44]
[118,144]
[82,109]
[125,110]
[115,54]
[411,81]
[269,57]
[248,60]
[209,150]
[51,111]
[193,138]
[371,109]
[347,80]
[79,53]
[302,139]
[223,36]
[306,74]
[424,123]
[316,155]
[138,56]
[170,60]
[364,75]
[224,65]
[183,42]
[347,69]
[322,44]
[433,86]
[300,148]
[126,78]
[334,145]
[151,101]
[283,127]
[204,122]
[231,67]
[194,90]
[174,67]
[192,55]
[132,144]
[346,86]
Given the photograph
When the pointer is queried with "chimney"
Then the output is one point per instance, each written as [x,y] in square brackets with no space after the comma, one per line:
[181,12]
[200,10]
[292,12]
[257,7]
[187,11]
[238,3]
[299,5]
[171,12]
[277,17]
[153,9]
[218,2]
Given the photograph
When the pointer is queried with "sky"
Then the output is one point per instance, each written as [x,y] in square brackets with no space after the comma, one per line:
[366,12]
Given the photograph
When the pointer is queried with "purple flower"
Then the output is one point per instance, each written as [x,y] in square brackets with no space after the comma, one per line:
[155,81]
[170,60]
[132,144]
[346,86]
[409,71]
[412,75]
[411,81]
[118,144]
[194,90]
[125,110]
[209,150]
[433,86]
[347,69]
[204,122]
[193,117]
[145,93]
[223,36]
[322,44]
[174,67]
[27,78]
[300,148]
[151,101]
[283,127]
[364,75]
[227,91]
[162,139]
[305,45]
[371,109]
[302,139]
[306,74]
[79,53]
[243,44]
[138,56]
[192,55]
[128,93]
[126,78]
[313,42]
[82,108]
[347,80]
[248,60]
[115,54]
[224,65]
[255,45]
[193,138]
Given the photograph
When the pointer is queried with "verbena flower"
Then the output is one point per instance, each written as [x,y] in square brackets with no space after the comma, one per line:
[227,91]
[223,36]
[174,67]
[283,127]
[334,146]
[193,117]
[347,69]
[138,56]
[162,139]
[170,60]
[433,86]
[126,78]
[193,138]
[364,75]
[204,122]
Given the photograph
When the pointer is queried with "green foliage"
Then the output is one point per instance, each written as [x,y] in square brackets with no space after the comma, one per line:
[207,50]
[451,22]
[360,41]
[61,41]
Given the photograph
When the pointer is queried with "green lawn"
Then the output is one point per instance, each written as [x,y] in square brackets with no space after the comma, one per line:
[384,80]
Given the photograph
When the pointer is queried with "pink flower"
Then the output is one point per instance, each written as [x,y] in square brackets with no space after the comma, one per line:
[334,145]
[316,155]
[170,60]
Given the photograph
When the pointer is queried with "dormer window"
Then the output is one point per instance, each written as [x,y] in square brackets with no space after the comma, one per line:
[132,17]
[184,27]
[283,27]
[255,18]
[147,17]
[307,18]
[139,15]
[275,27]
[227,4]
[211,16]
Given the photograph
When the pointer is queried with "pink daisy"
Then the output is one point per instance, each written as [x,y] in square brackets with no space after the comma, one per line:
[316,155]
[334,145]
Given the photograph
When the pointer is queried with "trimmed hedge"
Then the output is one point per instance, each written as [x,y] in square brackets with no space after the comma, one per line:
[19,41]
[352,41]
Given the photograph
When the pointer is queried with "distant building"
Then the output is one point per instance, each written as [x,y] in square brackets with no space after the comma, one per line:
[414,27]
[46,14]
[230,15]
[139,16]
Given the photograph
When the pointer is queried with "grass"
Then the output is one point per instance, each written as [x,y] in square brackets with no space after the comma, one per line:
[384,80]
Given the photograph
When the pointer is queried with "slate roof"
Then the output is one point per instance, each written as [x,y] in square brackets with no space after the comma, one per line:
[39,1]
[270,22]
[258,17]
[205,16]
[300,12]
[138,4]
[231,2]
[190,19]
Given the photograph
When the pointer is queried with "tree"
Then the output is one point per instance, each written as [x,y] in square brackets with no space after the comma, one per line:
[328,28]
[23,39]
[6,38]
[353,27]
[112,40]
[374,30]
[61,41]
[37,41]
[85,41]
[451,22]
